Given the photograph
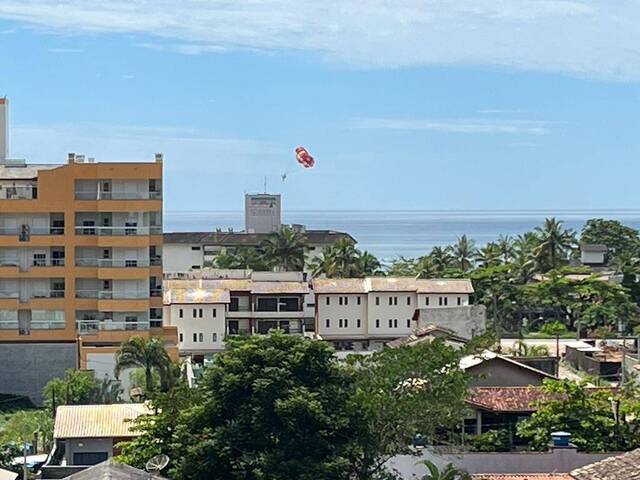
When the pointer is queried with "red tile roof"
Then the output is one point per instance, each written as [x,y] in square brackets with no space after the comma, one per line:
[522,476]
[506,399]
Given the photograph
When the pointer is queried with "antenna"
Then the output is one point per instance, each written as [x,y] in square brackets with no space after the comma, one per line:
[265,184]
[156,464]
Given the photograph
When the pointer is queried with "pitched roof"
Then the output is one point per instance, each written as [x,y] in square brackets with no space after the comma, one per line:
[522,476]
[506,399]
[471,361]
[97,421]
[594,247]
[111,470]
[426,333]
[622,467]
[217,291]
[391,284]
[196,295]
[244,239]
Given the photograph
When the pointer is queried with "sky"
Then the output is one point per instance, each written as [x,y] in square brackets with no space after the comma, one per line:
[405,104]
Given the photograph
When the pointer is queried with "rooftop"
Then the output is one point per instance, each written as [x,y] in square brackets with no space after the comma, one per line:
[471,361]
[244,239]
[426,333]
[506,399]
[97,421]
[622,467]
[391,284]
[217,291]
[112,470]
[24,171]
[594,247]
[522,476]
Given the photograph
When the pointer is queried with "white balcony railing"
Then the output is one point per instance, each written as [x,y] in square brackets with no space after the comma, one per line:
[121,230]
[29,230]
[9,294]
[117,195]
[111,263]
[47,324]
[93,326]
[110,295]
[8,324]
[9,262]
[47,293]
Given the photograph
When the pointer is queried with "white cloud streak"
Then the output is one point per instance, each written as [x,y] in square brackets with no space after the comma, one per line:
[594,38]
[463,126]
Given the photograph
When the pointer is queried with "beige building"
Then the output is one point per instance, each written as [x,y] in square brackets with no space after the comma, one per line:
[364,313]
[205,307]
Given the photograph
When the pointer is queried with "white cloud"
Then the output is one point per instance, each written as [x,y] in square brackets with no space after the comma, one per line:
[596,38]
[473,126]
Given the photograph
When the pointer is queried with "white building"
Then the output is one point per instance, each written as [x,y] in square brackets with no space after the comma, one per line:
[364,313]
[593,254]
[206,307]
[262,213]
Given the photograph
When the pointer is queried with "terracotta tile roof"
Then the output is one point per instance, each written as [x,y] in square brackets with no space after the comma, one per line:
[622,467]
[196,295]
[522,476]
[258,287]
[97,421]
[426,333]
[506,399]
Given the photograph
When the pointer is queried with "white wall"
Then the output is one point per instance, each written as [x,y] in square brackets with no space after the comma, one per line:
[207,325]
[592,257]
[180,257]
[349,310]
[442,300]
[399,313]
[103,365]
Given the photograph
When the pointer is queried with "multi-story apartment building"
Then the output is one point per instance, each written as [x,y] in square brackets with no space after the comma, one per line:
[206,308]
[80,265]
[364,313]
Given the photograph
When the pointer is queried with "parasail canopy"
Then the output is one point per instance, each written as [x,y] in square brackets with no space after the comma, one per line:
[304,157]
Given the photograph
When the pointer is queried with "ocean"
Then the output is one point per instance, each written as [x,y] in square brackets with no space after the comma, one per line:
[390,234]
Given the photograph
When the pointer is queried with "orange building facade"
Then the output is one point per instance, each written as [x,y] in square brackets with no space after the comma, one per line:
[81,255]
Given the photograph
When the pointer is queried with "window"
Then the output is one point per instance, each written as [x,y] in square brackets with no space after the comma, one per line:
[328,301]
[377,323]
[395,323]
[358,323]
[395,300]
[195,248]
[440,301]
[195,313]
[377,300]
[195,267]
[339,300]
[328,323]
[195,337]
[390,323]
[426,301]
[200,313]
[446,301]
[346,323]
[358,300]
[340,323]
[180,313]
[215,312]
[201,337]
[181,337]
[459,301]
[390,300]
[214,337]
[89,458]
[408,300]
[39,259]
[408,323]
[346,300]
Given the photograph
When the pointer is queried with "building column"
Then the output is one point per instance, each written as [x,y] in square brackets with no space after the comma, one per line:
[478,422]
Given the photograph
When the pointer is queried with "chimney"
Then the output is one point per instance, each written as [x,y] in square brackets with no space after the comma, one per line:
[71,158]
[4,129]
[159,157]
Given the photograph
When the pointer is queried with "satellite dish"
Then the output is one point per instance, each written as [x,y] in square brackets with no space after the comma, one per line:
[157,463]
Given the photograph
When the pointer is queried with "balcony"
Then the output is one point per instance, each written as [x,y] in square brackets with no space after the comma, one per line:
[119,195]
[18,192]
[46,262]
[118,231]
[50,293]
[8,324]
[9,262]
[111,263]
[25,231]
[9,294]
[89,327]
[110,295]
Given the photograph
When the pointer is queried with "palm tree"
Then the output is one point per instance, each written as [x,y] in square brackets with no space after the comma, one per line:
[490,255]
[464,252]
[441,258]
[246,258]
[147,354]
[554,244]
[368,264]
[449,472]
[285,249]
[506,245]
[424,267]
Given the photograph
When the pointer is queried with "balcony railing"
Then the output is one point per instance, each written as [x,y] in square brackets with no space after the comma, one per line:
[117,195]
[51,293]
[155,261]
[25,232]
[93,326]
[9,294]
[155,292]
[121,230]
[8,324]
[110,295]
[111,263]
[9,262]
[45,262]
[47,324]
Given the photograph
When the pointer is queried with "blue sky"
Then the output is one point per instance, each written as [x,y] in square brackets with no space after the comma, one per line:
[414,104]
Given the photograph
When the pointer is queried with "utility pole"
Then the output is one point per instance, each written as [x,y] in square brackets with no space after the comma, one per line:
[24,453]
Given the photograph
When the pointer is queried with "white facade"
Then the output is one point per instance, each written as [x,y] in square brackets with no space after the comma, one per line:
[201,327]
[380,308]
[262,213]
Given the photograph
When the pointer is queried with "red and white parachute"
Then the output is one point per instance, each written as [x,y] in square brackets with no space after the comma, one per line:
[304,157]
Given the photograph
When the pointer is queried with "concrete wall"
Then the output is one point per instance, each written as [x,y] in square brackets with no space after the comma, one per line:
[27,367]
[466,321]
[87,445]
[559,460]
[592,258]
[207,325]
[103,366]
[180,257]
[500,373]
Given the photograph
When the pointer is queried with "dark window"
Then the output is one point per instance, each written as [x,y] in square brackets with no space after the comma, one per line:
[440,301]
[377,323]
[195,337]
[346,323]
[195,313]
[390,323]
[234,305]
[377,300]
[358,300]
[358,323]
[289,304]
[201,337]
[328,301]
[408,300]
[459,301]
[180,313]
[234,327]
[89,458]
[426,301]
[408,323]
[215,312]
[200,313]
[214,337]
[340,323]
[390,300]
[395,300]
[267,304]
[346,300]
[327,323]
[339,300]
[446,301]
[195,267]
[195,248]
[395,323]
[181,337]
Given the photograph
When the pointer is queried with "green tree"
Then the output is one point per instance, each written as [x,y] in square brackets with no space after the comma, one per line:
[555,329]
[368,264]
[77,387]
[449,472]
[506,245]
[402,267]
[620,239]
[523,349]
[285,249]
[148,355]
[490,255]
[244,258]
[464,253]
[599,420]
[441,259]
[344,260]
[554,245]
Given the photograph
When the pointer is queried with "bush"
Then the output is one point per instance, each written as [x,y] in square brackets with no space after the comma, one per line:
[491,441]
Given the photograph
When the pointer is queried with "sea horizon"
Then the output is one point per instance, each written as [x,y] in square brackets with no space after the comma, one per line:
[390,234]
